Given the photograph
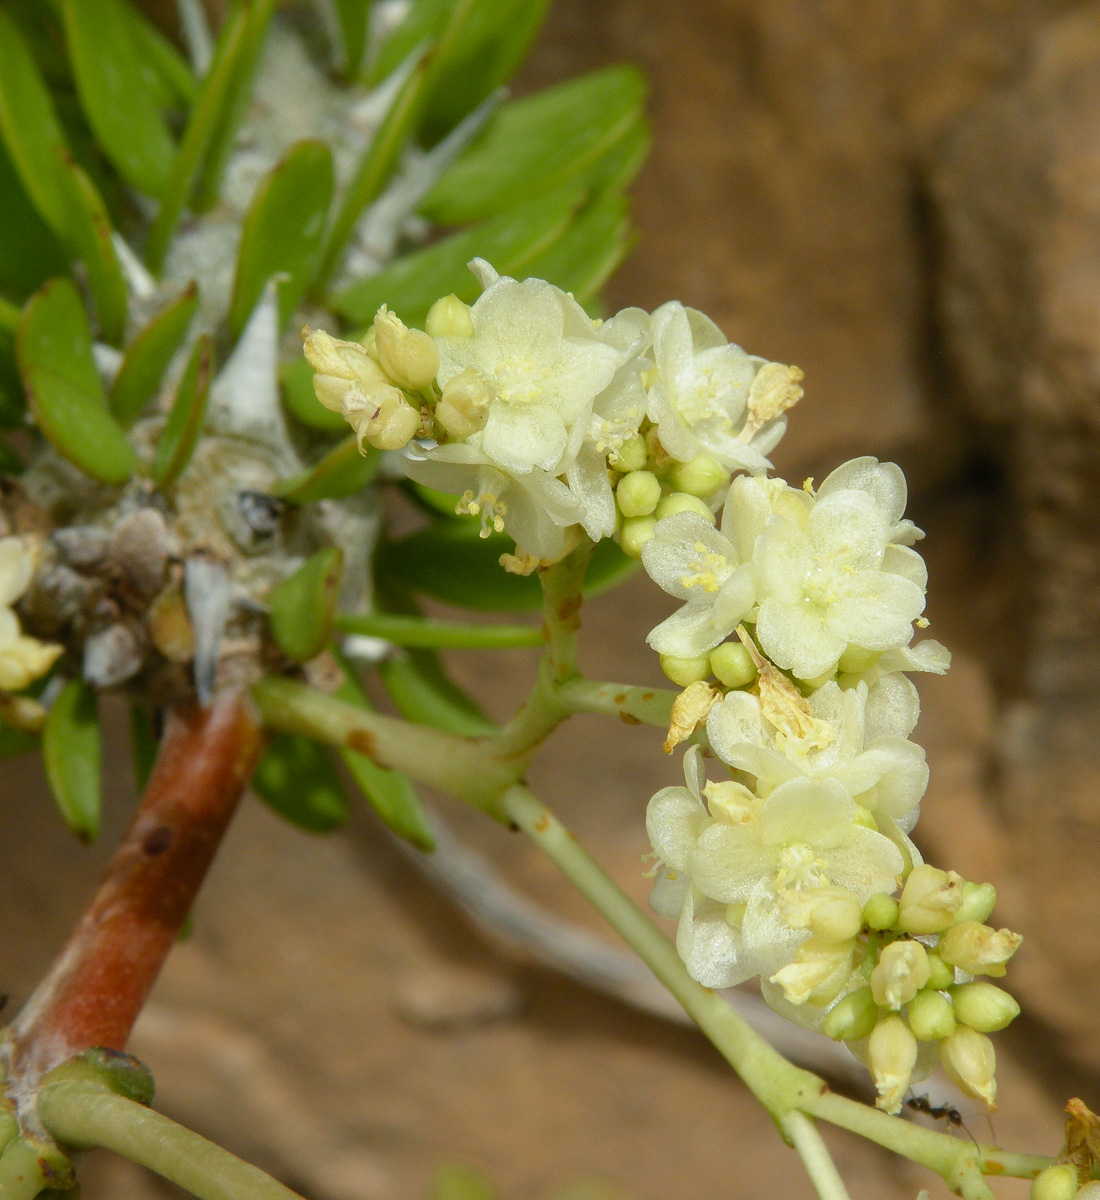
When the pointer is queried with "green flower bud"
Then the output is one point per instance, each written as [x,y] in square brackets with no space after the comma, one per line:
[855,660]
[732,665]
[1055,1183]
[702,477]
[970,1061]
[464,406]
[685,671]
[901,971]
[852,1017]
[880,911]
[408,356]
[637,494]
[984,1006]
[449,317]
[931,1016]
[978,949]
[631,455]
[979,900]
[679,502]
[929,900]
[940,975]
[891,1055]
[634,534]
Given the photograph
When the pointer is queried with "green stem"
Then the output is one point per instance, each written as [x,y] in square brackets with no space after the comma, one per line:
[420,634]
[561,611]
[634,705]
[462,766]
[86,1114]
[815,1157]
[22,1173]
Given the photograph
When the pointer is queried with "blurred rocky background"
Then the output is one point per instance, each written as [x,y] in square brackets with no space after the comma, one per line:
[903,197]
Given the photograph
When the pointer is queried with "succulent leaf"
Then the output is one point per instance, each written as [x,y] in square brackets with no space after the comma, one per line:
[342,472]
[297,778]
[181,431]
[71,748]
[303,606]
[147,357]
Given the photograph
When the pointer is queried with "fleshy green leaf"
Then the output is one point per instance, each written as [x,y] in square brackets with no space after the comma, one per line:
[454,1181]
[167,73]
[392,795]
[54,350]
[413,283]
[13,403]
[342,472]
[296,378]
[423,692]
[585,256]
[148,355]
[353,16]
[143,744]
[15,741]
[71,749]
[30,253]
[297,778]
[181,431]
[449,561]
[121,102]
[540,142]
[302,607]
[282,230]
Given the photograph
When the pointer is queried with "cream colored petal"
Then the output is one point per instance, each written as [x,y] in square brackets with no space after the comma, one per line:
[819,813]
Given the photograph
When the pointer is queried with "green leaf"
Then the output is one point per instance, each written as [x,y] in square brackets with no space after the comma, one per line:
[31,130]
[297,778]
[296,378]
[535,144]
[456,1182]
[412,284]
[167,73]
[15,741]
[392,795]
[423,692]
[342,472]
[71,749]
[54,350]
[450,561]
[181,431]
[121,102]
[148,355]
[282,230]
[13,403]
[90,234]
[30,253]
[303,605]
[353,16]
[143,744]
[424,634]
[585,256]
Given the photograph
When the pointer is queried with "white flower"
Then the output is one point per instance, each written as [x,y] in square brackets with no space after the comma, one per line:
[710,395]
[839,576]
[22,659]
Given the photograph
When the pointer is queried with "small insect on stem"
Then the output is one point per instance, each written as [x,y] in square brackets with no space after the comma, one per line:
[939,1112]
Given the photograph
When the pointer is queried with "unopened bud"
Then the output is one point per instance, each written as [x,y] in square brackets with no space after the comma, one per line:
[984,1006]
[464,406]
[880,911]
[702,477]
[635,533]
[1091,1191]
[970,1061]
[449,317]
[931,1016]
[386,420]
[818,973]
[1055,1183]
[631,455]
[852,1017]
[679,502]
[978,949]
[341,367]
[732,665]
[855,660]
[836,917]
[901,971]
[891,1055]
[979,900]
[685,671]
[940,975]
[408,356]
[929,900]
[638,493]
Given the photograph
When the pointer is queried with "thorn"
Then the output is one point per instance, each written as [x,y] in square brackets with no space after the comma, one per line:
[206,595]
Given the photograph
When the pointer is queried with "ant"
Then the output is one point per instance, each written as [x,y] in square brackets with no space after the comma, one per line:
[939,1112]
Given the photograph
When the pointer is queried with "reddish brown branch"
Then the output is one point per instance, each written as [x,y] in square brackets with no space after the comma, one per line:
[100,980]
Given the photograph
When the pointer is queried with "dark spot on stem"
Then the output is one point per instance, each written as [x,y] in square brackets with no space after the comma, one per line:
[647,695]
[620,698]
[629,719]
[158,841]
[361,742]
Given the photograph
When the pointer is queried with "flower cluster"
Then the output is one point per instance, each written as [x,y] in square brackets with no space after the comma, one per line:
[792,644]
[546,423]
[23,659]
